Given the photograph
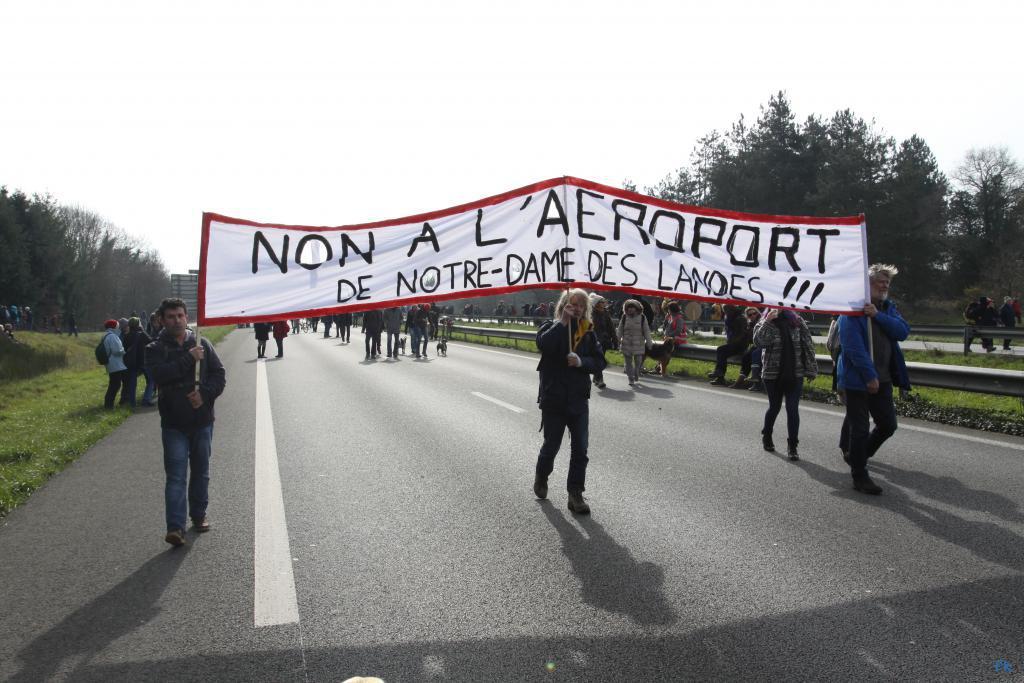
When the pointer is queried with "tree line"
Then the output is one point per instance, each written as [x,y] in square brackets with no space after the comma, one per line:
[65,260]
[950,236]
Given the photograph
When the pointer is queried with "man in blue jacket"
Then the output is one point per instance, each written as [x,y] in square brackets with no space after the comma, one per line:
[867,372]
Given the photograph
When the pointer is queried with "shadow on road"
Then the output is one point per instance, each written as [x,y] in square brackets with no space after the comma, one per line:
[951,491]
[949,633]
[611,579]
[91,628]
[986,540]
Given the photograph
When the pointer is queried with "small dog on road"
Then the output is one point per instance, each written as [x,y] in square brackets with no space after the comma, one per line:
[442,347]
[401,345]
[661,352]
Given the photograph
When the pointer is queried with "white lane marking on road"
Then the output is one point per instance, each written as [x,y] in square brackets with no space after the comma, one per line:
[274,601]
[497,402]
[499,353]
[822,411]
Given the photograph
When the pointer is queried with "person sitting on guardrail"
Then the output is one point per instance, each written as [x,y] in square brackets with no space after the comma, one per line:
[570,353]
[750,363]
[869,367]
[787,357]
[737,340]
[1007,318]
[675,324]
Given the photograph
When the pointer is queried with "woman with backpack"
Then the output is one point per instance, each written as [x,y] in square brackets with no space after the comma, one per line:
[788,357]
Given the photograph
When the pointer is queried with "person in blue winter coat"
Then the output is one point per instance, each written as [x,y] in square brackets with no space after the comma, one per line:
[866,374]
[570,354]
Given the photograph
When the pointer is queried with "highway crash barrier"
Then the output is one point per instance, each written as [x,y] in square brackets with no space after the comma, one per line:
[957,377]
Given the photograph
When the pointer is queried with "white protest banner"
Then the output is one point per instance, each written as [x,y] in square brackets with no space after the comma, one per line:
[551,235]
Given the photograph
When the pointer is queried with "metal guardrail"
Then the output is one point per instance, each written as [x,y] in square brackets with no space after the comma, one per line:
[956,377]
[965,332]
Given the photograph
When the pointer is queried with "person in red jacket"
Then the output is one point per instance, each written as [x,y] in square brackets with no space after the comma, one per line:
[280,331]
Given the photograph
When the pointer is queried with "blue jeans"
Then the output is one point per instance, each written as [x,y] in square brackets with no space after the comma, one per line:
[776,394]
[182,452]
[417,334]
[555,424]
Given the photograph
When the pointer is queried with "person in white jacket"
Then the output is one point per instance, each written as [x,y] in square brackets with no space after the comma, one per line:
[117,371]
[634,338]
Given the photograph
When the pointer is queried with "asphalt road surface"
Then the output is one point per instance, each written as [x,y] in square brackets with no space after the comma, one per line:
[377,518]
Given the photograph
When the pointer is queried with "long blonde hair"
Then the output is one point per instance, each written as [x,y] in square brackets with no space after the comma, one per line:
[566,296]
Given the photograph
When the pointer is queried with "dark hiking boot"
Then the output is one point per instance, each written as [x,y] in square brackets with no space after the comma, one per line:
[719,381]
[766,441]
[756,386]
[540,487]
[577,504]
[793,455]
[865,485]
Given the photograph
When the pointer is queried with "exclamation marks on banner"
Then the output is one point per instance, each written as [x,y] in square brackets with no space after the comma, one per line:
[803,288]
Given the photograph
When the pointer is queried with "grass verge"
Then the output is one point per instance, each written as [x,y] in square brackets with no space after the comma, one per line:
[1003,414]
[50,414]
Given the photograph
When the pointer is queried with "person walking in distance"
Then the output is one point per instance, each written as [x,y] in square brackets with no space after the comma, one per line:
[1007,318]
[373,323]
[634,337]
[870,364]
[570,354]
[262,331]
[393,327]
[186,417]
[117,371]
[787,358]
[280,331]
[604,328]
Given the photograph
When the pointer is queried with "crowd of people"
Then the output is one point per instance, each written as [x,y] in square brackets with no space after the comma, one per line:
[421,323]
[983,313]
[14,318]
[866,347]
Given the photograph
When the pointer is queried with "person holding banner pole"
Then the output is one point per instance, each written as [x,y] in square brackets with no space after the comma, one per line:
[190,377]
[570,354]
[870,365]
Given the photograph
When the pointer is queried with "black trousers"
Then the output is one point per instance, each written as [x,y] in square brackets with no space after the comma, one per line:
[722,355]
[116,381]
[555,424]
[856,437]
[280,346]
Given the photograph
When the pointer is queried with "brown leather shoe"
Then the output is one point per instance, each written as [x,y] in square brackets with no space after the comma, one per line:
[201,525]
[175,537]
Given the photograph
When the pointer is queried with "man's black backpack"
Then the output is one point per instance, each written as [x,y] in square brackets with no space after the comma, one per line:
[101,352]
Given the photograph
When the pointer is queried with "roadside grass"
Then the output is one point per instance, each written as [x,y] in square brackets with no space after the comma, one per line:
[51,415]
[937,405]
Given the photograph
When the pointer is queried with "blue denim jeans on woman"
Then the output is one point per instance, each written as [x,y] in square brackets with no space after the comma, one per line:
[186,456]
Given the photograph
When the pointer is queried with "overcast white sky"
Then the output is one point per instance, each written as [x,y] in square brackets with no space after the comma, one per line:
[331,113]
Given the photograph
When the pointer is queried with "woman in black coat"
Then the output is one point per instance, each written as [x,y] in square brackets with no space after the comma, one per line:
[262,335]
[570,354]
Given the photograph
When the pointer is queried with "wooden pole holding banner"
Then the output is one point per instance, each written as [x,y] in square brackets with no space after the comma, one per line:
[568,285]
[199,344]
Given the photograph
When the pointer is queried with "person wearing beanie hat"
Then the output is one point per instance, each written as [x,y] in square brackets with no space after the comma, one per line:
[117,371]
